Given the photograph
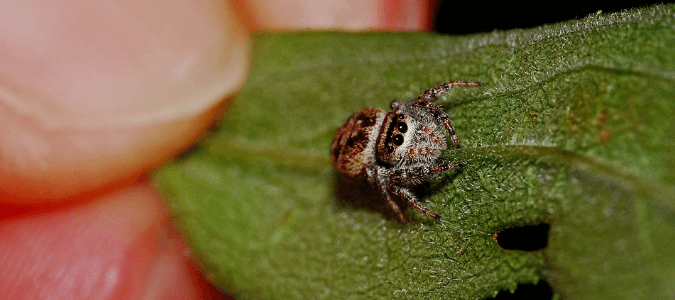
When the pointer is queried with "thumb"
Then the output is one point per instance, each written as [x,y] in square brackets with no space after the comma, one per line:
[96,92]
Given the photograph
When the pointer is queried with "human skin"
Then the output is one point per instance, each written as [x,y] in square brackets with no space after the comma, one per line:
[96,94]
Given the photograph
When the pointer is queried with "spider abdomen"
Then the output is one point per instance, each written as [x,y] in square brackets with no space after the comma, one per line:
[353,144]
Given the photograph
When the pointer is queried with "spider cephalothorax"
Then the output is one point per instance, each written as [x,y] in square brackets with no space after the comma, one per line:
[395,151]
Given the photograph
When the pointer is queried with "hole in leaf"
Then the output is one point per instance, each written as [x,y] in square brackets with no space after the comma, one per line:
[526,238]
[539,291]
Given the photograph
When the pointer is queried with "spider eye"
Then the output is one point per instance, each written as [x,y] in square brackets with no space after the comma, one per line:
[398,140]
[390,148]
[401,117]
[402,127]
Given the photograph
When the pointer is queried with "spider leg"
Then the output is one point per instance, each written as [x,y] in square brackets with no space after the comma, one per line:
[395,207]
[413,175]
[438,140]
[443,116]
[424,101]
[433,93]
[423,151]
[380,181]
[437,113]
[406,195]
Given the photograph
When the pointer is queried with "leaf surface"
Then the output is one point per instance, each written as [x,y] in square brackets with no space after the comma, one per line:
[573,128]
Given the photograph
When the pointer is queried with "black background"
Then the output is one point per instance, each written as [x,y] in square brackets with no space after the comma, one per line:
[463,17]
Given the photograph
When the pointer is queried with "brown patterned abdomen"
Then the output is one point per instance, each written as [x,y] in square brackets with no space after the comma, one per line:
[349,152]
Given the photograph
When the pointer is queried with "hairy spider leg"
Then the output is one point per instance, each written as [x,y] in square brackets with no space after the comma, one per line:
[425,99]
[395,207]
[438,113]
[434,138]
[415,174]
[443,116]
[406,195]
[433,93]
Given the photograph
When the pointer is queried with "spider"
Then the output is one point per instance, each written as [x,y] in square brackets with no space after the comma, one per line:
[397,150]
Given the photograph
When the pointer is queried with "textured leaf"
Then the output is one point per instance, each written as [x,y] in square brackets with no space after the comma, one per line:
[572,128]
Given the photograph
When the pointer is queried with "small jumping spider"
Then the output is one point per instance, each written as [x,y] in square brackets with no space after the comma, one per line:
[398,150]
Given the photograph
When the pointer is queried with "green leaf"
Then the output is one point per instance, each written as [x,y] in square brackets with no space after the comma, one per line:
[572,128]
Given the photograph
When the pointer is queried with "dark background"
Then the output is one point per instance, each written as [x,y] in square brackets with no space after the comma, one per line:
[462,17]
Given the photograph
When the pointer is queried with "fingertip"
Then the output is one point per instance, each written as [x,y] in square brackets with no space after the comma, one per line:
[270,15]
[102,92]
[408,15]
[116,246]
[174,273]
